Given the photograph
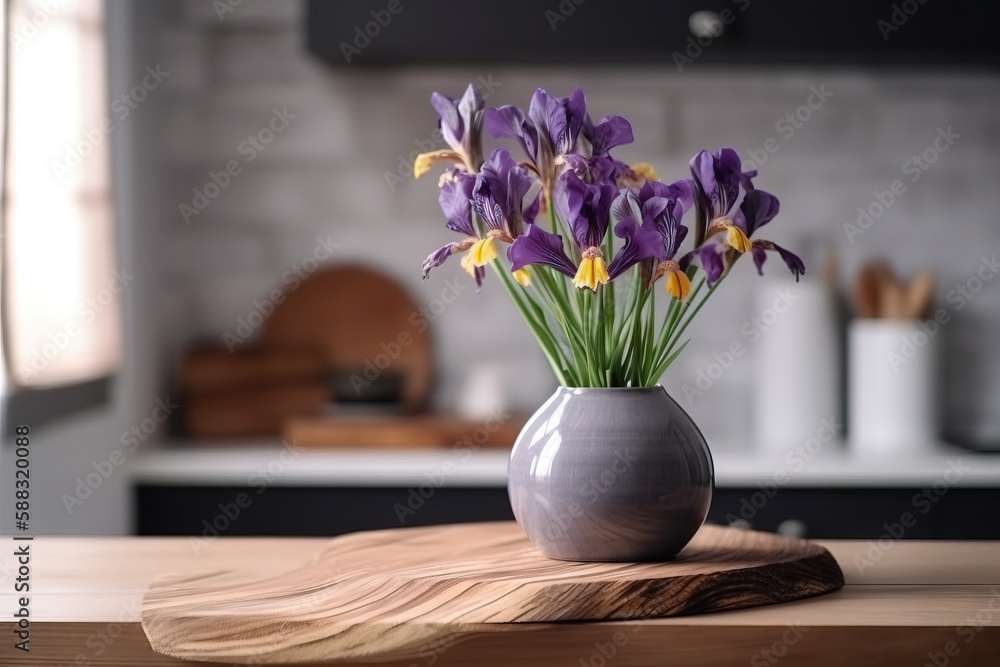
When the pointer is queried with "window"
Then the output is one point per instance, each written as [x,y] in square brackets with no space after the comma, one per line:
[61,284]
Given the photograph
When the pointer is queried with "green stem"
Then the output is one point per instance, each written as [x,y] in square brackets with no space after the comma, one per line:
[648,359]
[675,337]
[554,221]
[601,336]
[628,313]
[674,313]
[687,322]
[544,337]
[608,296]
[563,314]
[634,361]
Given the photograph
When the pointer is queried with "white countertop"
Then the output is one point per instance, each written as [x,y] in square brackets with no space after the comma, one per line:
[265,461]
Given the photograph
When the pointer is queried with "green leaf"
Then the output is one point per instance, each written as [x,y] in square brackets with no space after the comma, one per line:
[662,368]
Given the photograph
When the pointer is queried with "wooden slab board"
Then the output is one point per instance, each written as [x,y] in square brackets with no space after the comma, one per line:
[434,431]
[386,594]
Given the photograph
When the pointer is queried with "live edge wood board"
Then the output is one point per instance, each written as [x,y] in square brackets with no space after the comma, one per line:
[395,593]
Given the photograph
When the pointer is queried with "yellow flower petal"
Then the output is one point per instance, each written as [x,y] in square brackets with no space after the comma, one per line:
[468,264]
[737,239]
[484,251]
[422,164]
[600,271]
[592,272]
[522,276]
[585,274]
[678,285]
[645,170]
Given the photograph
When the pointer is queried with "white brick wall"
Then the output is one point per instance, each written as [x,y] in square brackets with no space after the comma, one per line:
[325,175]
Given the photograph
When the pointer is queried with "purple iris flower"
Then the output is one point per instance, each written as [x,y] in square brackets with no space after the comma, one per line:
[791,260]
[537,246]
[461,120]
[641,242]
[758,209]
[666,205]
[593,162]
[455,200]
[551,127]
[505,196]
[437,258]
[584,207]
[461,126]
[649,223]
[610,132]
[718,177]
[558,120]
[551,134]
[712,259]
[660,208]
[596,169]
[718,181]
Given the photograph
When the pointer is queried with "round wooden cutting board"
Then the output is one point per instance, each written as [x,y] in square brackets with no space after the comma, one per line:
[359,320]
[390,593]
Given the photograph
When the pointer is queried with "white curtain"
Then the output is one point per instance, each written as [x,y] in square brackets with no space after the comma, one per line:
[61,284]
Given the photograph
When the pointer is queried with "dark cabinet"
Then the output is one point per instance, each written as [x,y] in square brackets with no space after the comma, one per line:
[827,513]
[866,513]
[652,32]
[284,510]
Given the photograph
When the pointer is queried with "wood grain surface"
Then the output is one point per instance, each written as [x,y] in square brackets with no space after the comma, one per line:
[902,601]
[252,411]
[413,432]
[363,321]
[214,370]
[386,594]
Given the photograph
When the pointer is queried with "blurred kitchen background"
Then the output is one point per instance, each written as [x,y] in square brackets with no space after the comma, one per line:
[831,106]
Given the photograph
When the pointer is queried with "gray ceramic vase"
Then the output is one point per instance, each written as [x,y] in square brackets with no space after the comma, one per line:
[617,474]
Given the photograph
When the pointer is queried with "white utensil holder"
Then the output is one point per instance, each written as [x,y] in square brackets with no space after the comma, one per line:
[892,382]
[798,379]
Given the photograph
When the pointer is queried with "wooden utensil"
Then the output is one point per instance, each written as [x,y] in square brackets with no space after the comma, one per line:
[879,294]
[920,295]
[865,296]
[892,297]
[390,592]
[868,289]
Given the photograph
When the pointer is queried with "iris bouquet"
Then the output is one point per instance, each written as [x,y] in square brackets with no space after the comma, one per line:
[572,221]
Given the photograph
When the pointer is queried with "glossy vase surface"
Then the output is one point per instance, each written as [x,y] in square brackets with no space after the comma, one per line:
[610,474]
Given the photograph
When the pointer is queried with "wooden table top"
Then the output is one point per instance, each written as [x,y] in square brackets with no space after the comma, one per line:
[905,602]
